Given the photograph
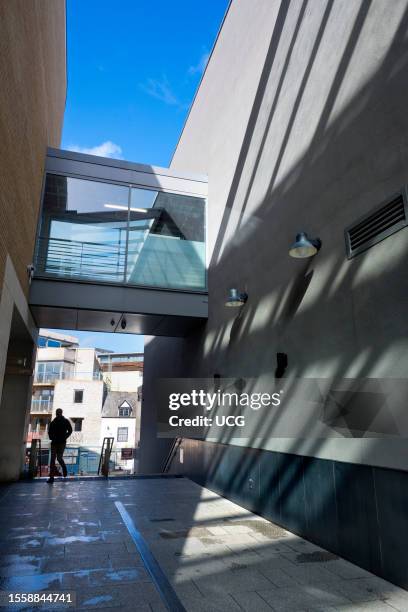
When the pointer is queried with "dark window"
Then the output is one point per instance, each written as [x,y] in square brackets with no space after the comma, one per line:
[122,434]
[77,424]
[125,412]
[78,396]
[125,409]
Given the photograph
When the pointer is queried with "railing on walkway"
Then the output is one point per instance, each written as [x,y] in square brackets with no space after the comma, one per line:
[110,233]
[171,454]
[74,259]
[41,405]
[52,377]
[84,460]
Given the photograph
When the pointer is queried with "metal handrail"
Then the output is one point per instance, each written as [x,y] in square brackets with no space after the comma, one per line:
[171,454]
[104,460]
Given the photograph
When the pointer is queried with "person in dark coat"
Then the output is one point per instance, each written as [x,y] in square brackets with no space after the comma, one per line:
[59,431]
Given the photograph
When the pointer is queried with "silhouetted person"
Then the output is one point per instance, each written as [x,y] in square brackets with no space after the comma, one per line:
[59,431]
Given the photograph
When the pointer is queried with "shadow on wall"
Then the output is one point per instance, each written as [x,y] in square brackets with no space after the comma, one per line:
[333,317]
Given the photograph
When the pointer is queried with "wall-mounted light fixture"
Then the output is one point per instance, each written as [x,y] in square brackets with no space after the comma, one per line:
[304,246]
[281,364]
[236,299]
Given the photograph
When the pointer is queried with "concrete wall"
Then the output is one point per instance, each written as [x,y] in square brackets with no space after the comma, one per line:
[15,398]
[121,380]
[86,363]
[56,354]
[153,450]
[300,123]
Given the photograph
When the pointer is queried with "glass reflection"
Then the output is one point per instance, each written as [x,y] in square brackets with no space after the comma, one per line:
[88,230]
[166,241]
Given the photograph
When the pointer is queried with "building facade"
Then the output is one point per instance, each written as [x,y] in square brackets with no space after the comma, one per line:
[122,371]
[32,65]
[299,126]
[300,123]
[121,421]
[99,392]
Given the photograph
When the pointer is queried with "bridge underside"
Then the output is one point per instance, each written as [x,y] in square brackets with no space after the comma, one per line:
[106,308]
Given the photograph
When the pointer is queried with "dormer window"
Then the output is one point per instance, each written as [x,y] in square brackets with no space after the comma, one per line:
[125,409]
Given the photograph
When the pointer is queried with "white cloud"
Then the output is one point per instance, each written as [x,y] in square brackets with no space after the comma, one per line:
[200,66]
[106,149]
[160,89]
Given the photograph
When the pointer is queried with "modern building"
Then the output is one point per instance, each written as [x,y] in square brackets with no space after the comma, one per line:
[122,371]
[300,124]
[123,376]
[62,371]
[98,391]
[286,197]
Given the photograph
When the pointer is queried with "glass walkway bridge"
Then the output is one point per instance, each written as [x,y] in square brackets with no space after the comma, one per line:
[120,247]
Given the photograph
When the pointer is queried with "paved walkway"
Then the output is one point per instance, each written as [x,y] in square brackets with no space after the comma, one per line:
[215,554]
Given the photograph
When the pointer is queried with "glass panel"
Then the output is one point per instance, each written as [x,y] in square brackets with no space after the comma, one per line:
[88,232]
[50,371]
[83,229]
[166,240]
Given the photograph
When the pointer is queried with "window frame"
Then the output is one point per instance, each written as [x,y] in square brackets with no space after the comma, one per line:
[77,421]
[122,430]
[81,401]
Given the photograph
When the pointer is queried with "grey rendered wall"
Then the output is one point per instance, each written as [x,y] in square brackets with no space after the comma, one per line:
[153,450]
[300,123]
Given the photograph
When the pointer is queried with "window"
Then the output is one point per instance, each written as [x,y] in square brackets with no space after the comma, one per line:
[49,371]
[122,434]
[125,409]
[46,392]
[77,424]
[78,396]
[88,230]
[44,342]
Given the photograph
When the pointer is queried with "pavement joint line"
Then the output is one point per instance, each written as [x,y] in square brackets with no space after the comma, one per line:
[163,586]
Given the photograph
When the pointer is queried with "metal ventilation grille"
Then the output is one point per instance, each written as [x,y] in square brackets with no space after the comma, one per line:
[377,225]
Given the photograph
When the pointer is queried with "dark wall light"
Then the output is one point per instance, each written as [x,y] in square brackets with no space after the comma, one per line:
[304,246]
[236,299]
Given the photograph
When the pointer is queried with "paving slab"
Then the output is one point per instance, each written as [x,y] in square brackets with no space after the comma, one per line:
[216,555]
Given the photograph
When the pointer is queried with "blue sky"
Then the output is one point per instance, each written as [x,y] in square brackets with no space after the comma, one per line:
[133,69]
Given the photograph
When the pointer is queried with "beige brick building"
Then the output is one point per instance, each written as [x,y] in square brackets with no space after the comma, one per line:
[32,101]
[81,401]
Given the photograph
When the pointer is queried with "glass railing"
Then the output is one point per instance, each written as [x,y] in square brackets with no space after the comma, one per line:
[111,233]
[41,405]
[49,378]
